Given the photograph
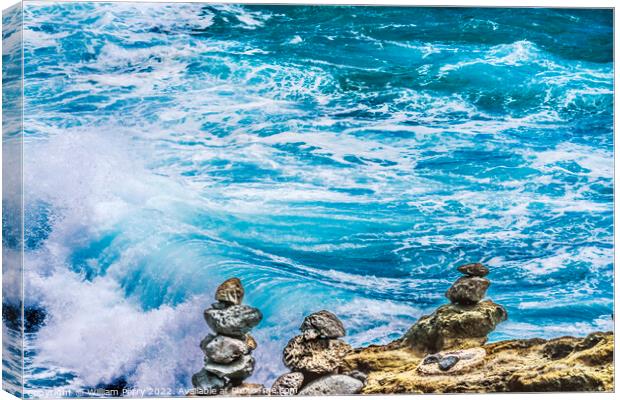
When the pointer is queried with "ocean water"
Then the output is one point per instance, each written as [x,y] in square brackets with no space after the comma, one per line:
[340,158]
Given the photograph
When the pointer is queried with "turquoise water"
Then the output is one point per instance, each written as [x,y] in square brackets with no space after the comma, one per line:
[331,157]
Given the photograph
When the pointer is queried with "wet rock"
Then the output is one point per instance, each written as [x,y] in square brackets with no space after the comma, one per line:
[206,383]
[468,290]
[473,269]
[240,369]
[224,349]
[454,326]
[233,321]
[431,359]
[319,356]
[230,292]
[448,362]
[288,384]
[322,324]
[333,385]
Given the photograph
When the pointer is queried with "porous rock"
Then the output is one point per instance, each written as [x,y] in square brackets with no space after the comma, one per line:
[468,290]
[230,292]
[322,324]
[454,326]
[233,321]
[319,356]
[288,384]
[508,365]
[333,385]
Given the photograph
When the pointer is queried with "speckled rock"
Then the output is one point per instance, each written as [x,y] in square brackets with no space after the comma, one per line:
[240,369]
[230,292]
[319,356]
[206,383]
[332,385]
[224,349]
[468,290]
[234,320]
[322,324]
[473,269]
[287,384]
[454,326]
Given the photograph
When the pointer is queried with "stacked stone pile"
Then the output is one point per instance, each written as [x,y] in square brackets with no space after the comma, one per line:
[316,358]
[465,323]
[471,288]
[228,358]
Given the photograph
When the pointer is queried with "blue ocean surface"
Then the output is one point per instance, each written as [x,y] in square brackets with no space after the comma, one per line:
[339,158]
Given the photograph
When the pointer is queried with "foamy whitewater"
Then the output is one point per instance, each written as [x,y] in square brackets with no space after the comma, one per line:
[331,157]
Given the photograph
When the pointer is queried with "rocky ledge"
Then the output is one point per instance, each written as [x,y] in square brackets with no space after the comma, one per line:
[444,352]
[525,365]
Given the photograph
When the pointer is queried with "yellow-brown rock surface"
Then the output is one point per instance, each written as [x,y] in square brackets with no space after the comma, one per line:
[532,365]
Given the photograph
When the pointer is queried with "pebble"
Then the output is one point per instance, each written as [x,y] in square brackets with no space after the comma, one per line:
[240,369]
[322,324]
[288,384]
[448,362]
[224,349]
[473,269]
[230,292]
[233,321]
[468,290]
[333,385]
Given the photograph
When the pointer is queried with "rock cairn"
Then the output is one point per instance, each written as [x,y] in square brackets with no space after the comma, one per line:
[228,358]
[471,288]
[465,323]
[316,358]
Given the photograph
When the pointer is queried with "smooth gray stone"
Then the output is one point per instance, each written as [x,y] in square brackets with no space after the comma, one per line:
[240,369]
[359,375]
[224,349]
[332,385]
[448,362]
[234,320]
[431,359]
